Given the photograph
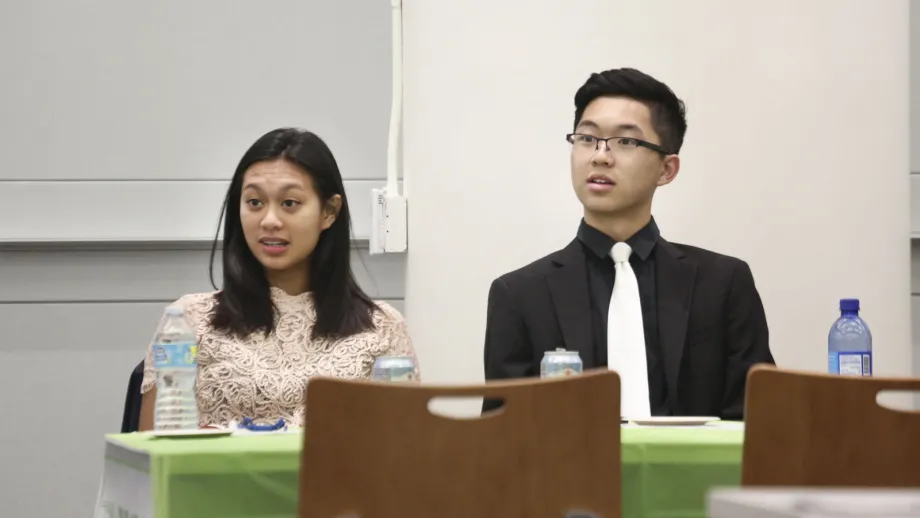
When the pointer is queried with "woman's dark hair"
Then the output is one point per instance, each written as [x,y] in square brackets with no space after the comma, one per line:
[244,304]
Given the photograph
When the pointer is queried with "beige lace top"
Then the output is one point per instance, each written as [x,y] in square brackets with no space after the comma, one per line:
[264,377]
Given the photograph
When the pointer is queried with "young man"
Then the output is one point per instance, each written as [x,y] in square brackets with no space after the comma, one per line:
[681,325]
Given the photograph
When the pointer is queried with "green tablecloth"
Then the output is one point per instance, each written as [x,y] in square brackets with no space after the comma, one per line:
[666,472]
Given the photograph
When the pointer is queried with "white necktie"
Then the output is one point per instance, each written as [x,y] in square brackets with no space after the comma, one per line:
[626,337]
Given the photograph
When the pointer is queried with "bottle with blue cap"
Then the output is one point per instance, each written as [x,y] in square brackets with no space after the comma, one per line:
[175,359]
[849,343]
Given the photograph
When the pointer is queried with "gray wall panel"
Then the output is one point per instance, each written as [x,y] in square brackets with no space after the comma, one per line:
[76,327]
[149,275]
[915,203]
[915,270]
[117,328]
[61,402]
[64,369]
[399,305]
[73,324]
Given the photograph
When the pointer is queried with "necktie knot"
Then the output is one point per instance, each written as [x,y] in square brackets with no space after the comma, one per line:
[620,252]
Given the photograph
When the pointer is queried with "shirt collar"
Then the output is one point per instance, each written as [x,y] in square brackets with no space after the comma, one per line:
[600,244]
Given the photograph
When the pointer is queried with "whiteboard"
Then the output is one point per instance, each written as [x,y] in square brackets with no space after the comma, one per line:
[131,212]
[128,104]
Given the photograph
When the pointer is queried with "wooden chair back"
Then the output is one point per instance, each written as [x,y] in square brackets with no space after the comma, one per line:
[808,429]
[375,450]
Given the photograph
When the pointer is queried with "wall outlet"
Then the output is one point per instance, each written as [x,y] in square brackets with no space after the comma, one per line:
[389,222]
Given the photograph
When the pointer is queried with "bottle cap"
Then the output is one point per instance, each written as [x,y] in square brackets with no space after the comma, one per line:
[175,311]
[849,304]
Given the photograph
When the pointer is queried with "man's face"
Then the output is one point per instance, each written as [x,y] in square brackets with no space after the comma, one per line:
[619,177]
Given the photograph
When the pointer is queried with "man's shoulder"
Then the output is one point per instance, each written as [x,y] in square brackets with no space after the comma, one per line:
[708,258]
[536,269]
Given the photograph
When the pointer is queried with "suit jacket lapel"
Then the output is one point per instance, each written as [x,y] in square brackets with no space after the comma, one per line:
[676,275]
[568,287]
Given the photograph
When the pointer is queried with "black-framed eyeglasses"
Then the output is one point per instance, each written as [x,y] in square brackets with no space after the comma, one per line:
[613,143]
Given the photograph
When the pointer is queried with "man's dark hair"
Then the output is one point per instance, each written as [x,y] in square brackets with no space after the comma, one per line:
[668,112]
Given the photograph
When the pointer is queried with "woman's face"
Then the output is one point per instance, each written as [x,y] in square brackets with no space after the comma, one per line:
[282,218]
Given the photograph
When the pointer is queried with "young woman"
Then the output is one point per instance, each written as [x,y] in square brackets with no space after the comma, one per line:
[290,308]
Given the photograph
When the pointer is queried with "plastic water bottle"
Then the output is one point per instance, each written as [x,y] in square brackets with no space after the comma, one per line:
[175,359]
[849,343]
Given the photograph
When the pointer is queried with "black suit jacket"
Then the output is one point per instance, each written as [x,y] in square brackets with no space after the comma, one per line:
[711,321]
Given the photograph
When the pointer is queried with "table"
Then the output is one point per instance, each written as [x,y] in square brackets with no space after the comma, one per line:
[667,473]
[790,502]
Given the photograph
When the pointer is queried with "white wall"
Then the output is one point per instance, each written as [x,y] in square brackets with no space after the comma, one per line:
[796,158]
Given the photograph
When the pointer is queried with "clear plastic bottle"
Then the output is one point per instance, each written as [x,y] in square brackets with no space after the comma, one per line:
[849,343]
[175,359]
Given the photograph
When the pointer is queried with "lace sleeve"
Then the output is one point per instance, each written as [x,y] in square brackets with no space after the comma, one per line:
[193,312]
[394,335]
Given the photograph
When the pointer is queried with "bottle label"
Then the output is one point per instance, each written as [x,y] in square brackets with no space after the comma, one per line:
[177,355]
[850,363]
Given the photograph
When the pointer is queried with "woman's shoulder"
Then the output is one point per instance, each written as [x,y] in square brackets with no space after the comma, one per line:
[389,323]
[196,300]
[392,332]
[388,315]
[197,306]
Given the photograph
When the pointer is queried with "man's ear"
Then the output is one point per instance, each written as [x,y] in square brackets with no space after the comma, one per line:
[331,210]
[669,169]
